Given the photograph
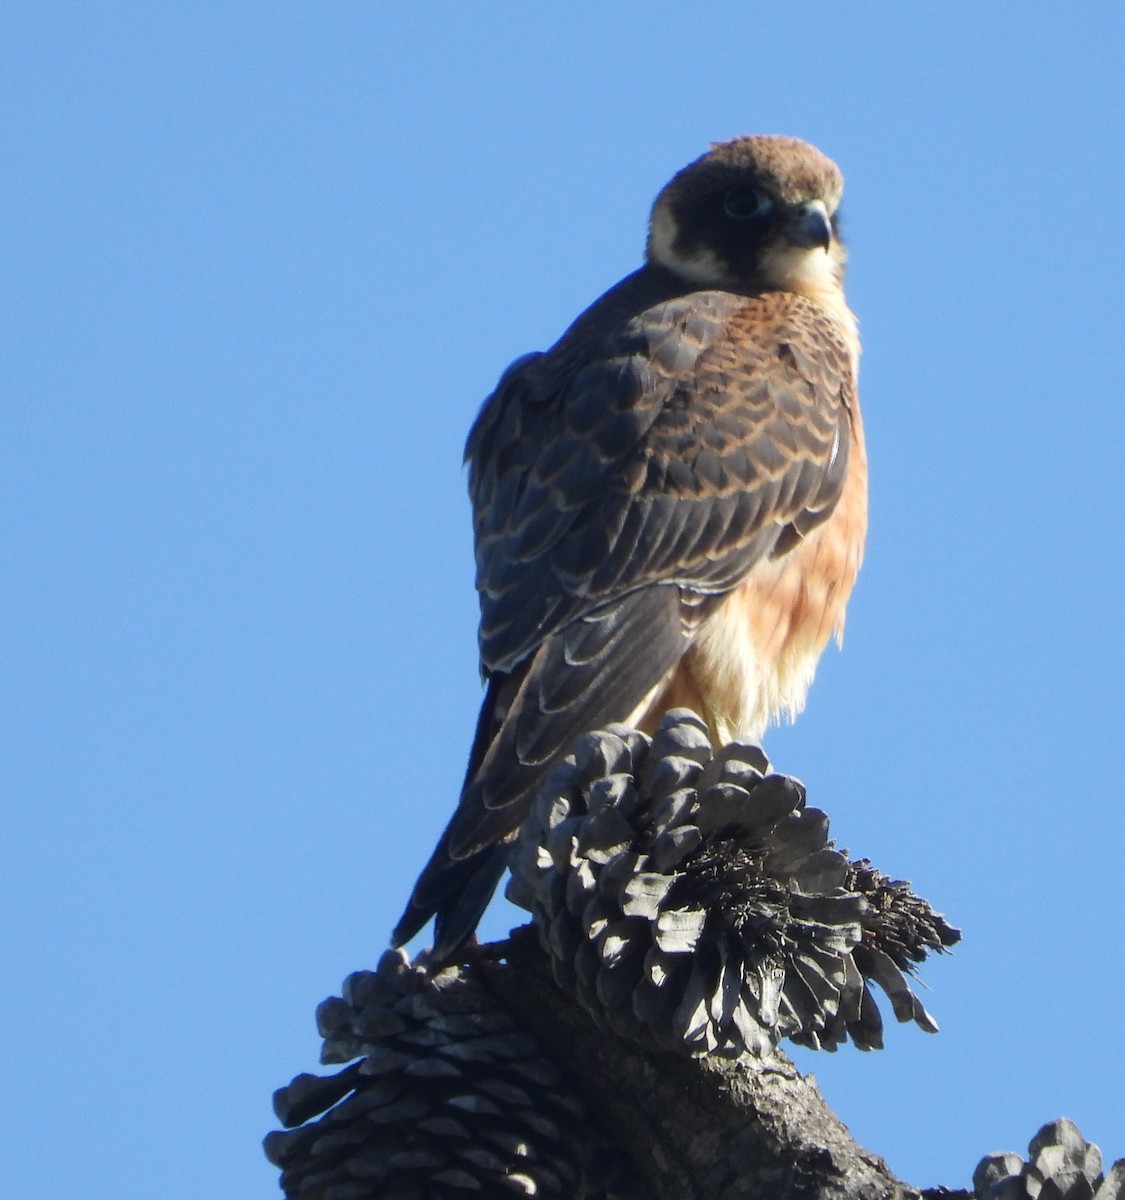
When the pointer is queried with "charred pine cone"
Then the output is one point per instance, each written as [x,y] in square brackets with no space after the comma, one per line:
[900,930]
[689,898]
[444,1097]
[1061,1165]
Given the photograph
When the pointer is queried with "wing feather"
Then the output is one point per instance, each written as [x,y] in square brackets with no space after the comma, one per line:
[627,461]
[627,649]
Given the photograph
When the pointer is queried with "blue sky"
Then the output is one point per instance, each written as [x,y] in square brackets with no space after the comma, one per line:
[262,262]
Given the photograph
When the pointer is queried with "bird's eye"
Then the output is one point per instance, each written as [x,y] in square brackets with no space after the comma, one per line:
[744,204]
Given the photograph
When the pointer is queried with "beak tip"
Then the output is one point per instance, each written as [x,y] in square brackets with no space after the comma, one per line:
[811,226]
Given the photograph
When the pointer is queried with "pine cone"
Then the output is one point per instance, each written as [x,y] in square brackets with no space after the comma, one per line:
[900,929]
[1061,1165]
[689,898]
[444,1097]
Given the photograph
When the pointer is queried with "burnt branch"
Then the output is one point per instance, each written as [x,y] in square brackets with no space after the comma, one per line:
[688,913]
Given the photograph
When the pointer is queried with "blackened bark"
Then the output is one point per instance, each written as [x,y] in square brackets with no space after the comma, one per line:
[694,1128]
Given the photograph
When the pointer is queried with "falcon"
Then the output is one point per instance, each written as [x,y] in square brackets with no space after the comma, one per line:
[669,504]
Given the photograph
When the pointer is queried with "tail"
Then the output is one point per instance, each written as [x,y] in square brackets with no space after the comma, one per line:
[457,883]
[459,893]
[594,671]
[456,891]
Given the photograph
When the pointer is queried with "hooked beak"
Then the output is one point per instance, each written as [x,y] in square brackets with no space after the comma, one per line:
[810,226]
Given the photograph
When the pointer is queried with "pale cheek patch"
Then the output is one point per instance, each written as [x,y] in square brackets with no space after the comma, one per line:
[701,267]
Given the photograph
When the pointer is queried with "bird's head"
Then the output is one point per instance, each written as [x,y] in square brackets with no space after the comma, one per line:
[755,213]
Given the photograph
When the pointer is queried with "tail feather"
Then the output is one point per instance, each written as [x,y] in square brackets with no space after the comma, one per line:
[578,680]
[466,887]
